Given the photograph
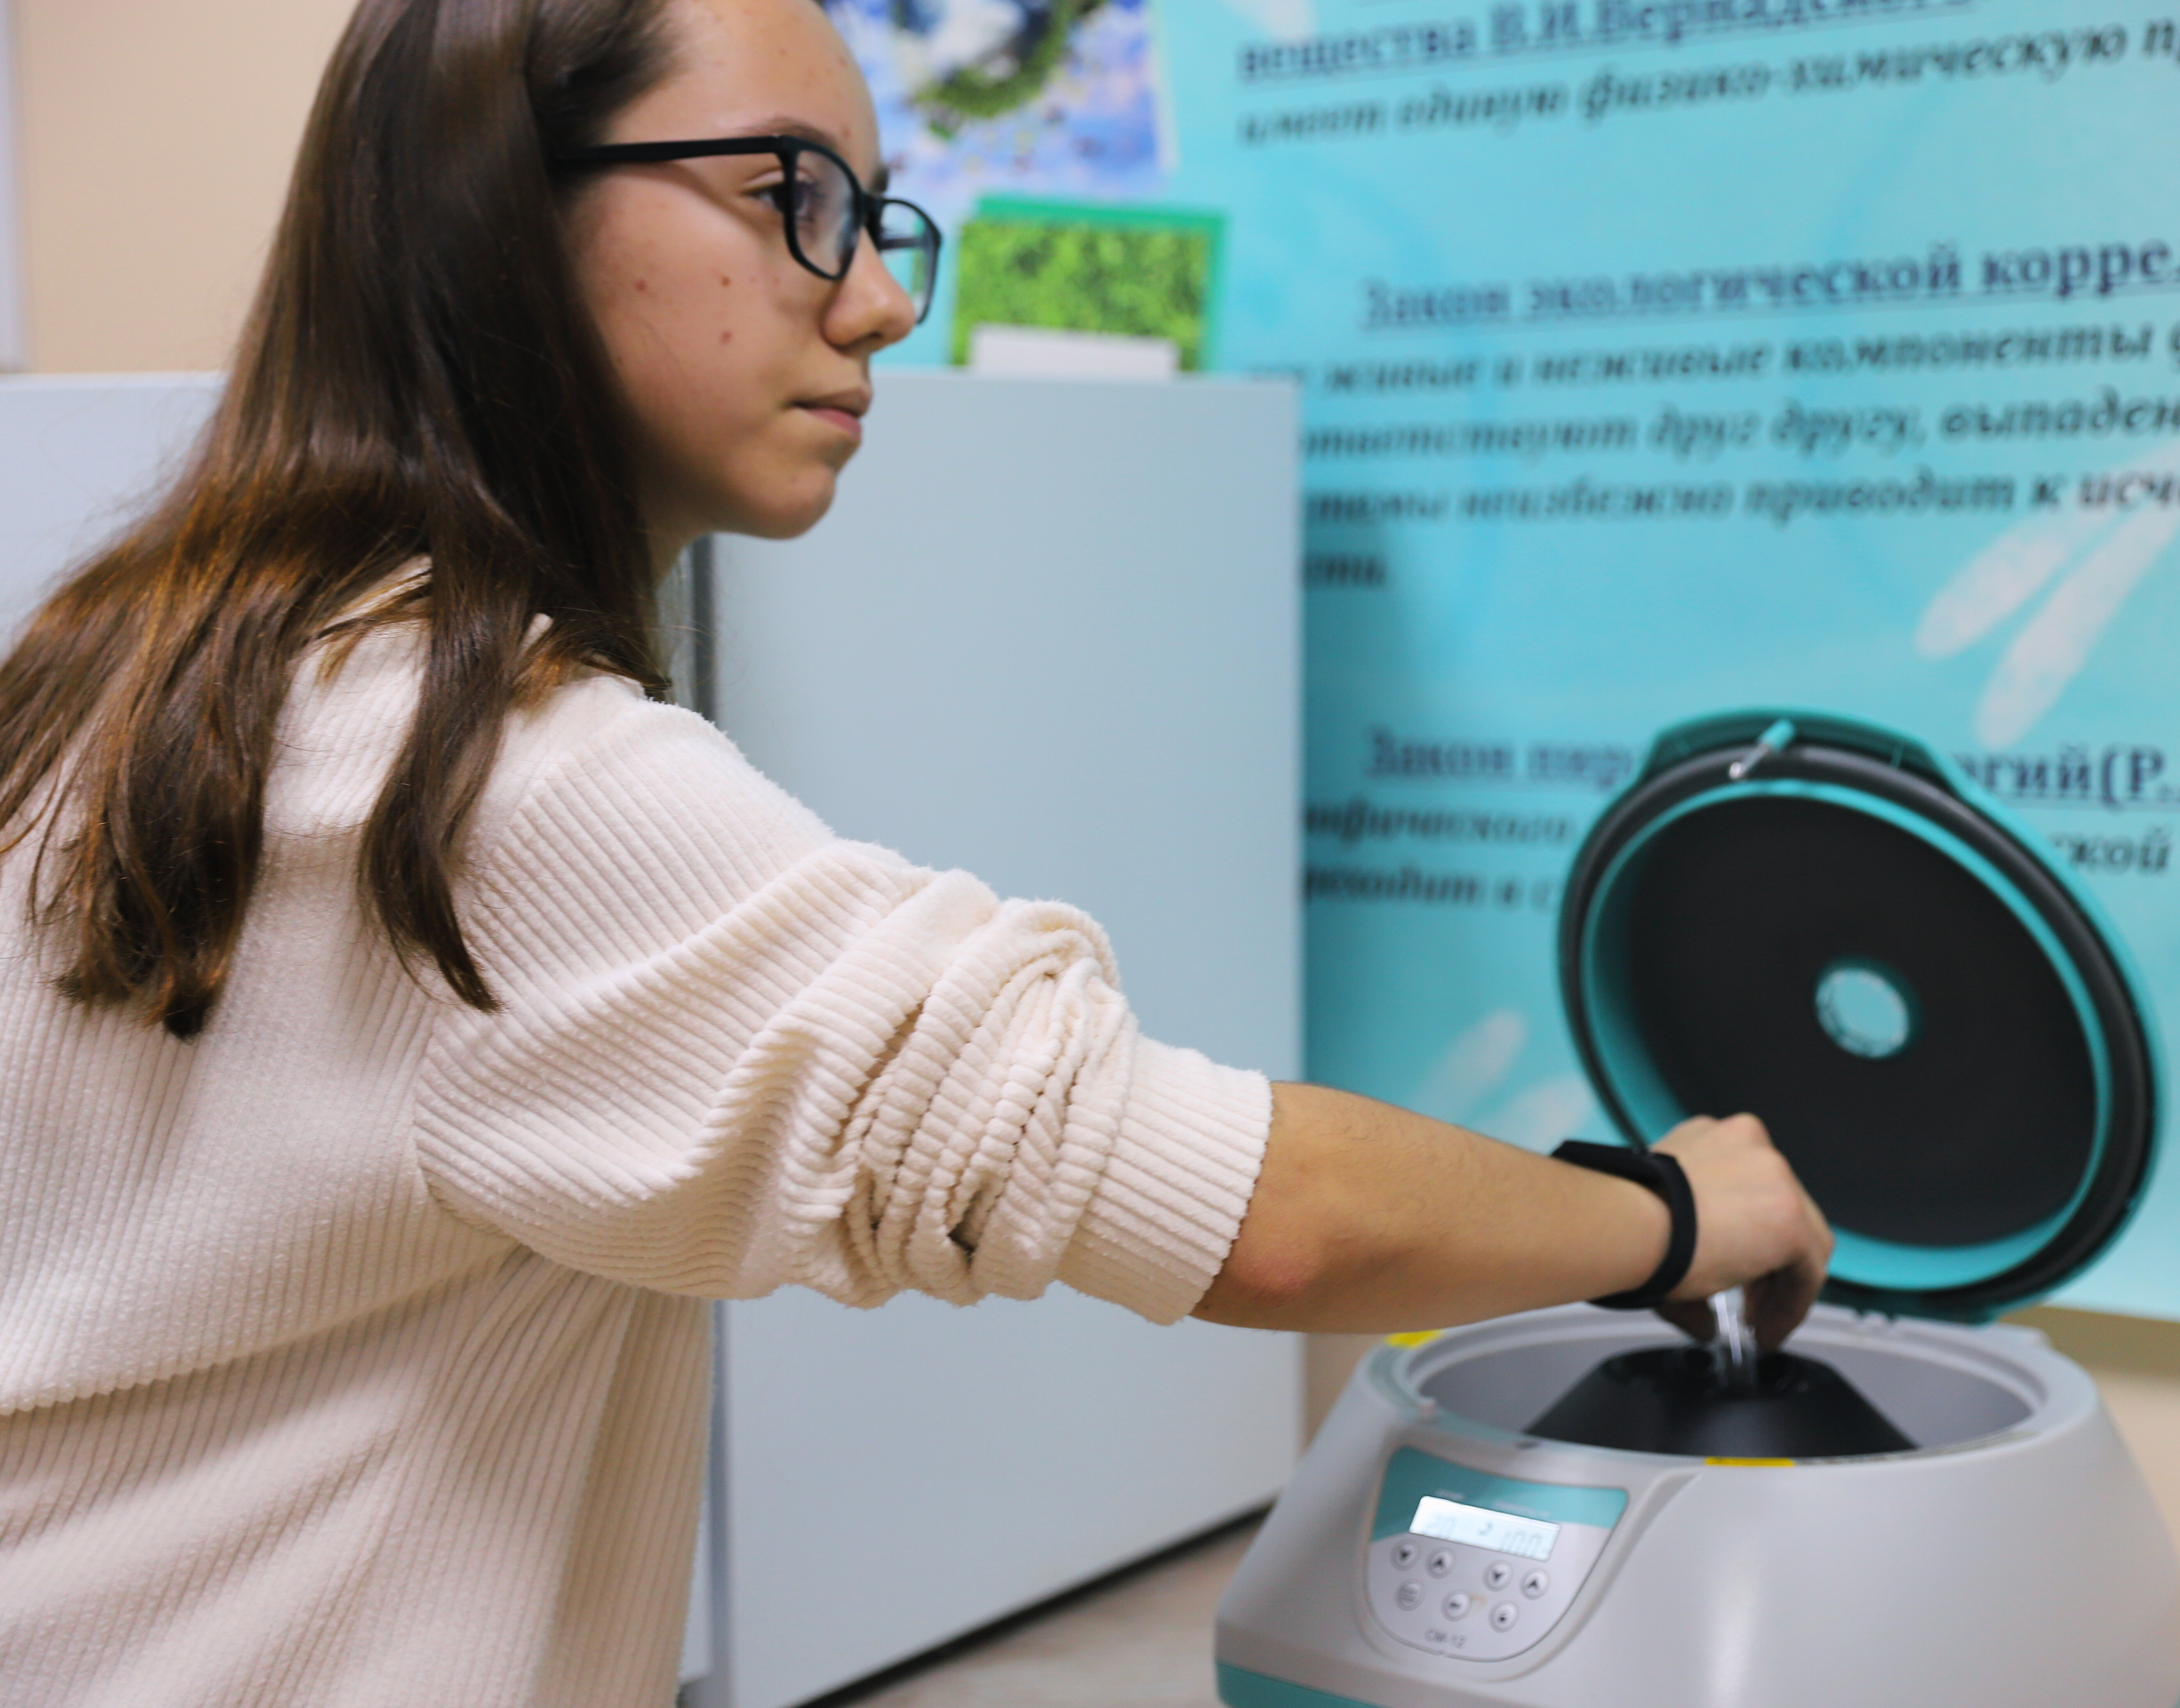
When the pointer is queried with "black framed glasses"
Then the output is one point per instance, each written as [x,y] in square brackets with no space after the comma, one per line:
[822,204]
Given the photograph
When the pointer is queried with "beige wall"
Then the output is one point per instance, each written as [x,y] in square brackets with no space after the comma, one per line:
[2137,1365]
[157,136]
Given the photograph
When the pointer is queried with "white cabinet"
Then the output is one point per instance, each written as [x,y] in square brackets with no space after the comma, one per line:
[1049,633]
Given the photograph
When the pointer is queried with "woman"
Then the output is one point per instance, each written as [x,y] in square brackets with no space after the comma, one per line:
[409,1025]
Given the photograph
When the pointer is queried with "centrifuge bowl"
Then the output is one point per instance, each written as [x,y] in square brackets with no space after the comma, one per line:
[2013,1559]
[1945,1388]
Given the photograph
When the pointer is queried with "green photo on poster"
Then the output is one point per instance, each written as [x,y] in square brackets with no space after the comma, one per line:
[1133,272]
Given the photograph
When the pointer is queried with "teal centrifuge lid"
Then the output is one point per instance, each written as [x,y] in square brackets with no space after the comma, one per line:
[1823,923]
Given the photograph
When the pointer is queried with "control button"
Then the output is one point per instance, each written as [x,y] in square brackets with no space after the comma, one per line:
[1441,1562]
[1504,1615]
[1536,1583]
[1459,1605]
[1405,1555]
[1498,1575]
[1409,1597]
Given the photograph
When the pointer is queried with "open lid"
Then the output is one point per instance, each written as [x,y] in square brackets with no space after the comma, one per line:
[1825,924]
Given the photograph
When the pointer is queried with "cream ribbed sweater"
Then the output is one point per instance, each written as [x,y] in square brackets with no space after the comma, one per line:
[355,1353]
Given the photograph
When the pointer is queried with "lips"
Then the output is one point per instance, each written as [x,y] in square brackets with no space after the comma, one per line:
[833,416]
[843,410]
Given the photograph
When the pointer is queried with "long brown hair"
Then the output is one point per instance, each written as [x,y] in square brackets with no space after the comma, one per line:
[418,378]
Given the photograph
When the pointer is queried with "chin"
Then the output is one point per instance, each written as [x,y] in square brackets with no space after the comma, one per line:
[782,521]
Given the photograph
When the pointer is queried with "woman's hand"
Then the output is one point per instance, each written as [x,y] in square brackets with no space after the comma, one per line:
[1756,1229]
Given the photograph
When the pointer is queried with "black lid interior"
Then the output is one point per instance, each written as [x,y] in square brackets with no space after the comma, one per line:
[1919,1006]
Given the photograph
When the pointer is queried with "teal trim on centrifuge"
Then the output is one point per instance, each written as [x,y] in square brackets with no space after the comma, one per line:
[1240,1689]
[1411,1474]
[1873,1262]
[1858,1258]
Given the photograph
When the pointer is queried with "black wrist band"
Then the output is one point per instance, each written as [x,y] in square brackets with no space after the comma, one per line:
[1663,1175]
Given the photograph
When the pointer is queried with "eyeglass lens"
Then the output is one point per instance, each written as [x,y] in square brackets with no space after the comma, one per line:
[908,242]
[822,199]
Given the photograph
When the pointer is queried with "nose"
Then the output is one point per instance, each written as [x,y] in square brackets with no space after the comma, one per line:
[870,308]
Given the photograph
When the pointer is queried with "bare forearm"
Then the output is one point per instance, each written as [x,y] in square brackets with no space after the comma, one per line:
[1370,1219]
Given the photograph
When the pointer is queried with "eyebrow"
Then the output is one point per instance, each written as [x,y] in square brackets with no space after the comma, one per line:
[880,181]
[796,127]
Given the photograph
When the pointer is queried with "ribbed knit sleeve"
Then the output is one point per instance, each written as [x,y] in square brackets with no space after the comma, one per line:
[735,1052]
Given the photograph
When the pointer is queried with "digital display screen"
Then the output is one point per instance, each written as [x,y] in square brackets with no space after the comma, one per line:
[1451,1521]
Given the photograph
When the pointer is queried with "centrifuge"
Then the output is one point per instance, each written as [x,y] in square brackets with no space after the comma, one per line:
[1825,923]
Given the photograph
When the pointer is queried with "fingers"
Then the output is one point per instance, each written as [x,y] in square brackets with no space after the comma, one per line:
[1781,1300]
[1692,1317]
[1756,1228]
[1778,1302]
[1786,1294]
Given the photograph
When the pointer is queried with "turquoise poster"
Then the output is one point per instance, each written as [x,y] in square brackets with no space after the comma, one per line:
[1659,360]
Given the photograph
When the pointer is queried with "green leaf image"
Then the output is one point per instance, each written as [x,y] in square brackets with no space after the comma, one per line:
[1142,272]
[993,90]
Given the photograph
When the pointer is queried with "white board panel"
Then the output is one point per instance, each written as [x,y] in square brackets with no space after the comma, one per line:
[79,457]
[1049,633]
[901,1476]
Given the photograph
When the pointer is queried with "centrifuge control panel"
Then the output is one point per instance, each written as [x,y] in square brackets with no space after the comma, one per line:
[1476,1567]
